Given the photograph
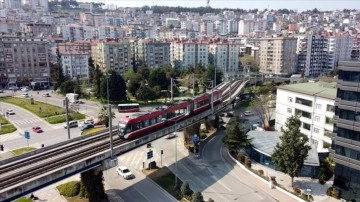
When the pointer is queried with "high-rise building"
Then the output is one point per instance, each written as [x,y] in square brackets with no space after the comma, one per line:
[75,32]
[23,60]
[111,54]
[346,138]
[12,4]
[75,63]
[278,55]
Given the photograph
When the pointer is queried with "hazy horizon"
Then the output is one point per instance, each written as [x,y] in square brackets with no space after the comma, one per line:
[300,5]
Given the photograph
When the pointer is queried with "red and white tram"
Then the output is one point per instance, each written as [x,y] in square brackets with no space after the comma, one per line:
[142,123]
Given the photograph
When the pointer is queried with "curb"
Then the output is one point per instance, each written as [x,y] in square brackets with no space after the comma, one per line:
[263,180]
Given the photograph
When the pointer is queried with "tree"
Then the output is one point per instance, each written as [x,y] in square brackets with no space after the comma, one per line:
[290,153]
[260,106]
[158,78]
[197,197]
[67,87]
[117,87]
[196,87]
[92,186]
[250,60]
[134,83]
[210,74]
[91,68]
[145,93]
[104,115]
[97,81]
[57,75]
[235,138]
[185,189]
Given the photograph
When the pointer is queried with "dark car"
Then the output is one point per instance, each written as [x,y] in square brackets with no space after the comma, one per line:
[86,126]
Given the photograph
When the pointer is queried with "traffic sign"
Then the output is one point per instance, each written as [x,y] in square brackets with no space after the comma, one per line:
[27,135]
[195,138]
[149,154]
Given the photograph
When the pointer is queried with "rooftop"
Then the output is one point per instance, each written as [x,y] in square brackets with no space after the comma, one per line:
[320,89]
[265,142]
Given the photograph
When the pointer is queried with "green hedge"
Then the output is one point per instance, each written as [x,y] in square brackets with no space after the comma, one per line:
[7,129]
[69,189]
[23,199]
[62,118]
[3,120]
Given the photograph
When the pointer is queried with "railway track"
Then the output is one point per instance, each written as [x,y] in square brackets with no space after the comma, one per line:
[18,171]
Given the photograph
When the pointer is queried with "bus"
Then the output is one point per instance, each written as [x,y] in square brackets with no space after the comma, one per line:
[127,108]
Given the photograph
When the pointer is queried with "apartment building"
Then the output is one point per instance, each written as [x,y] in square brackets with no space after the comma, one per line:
[346,139]
[278,55]
[12,4]
[355,51]
[185,53]
[314,103]
[225,56]
[316,56]
[157,54]
[103,32]
[37,29]
[248,26]
[207,28]
[74,32]
[339,49]
[23,59]
[74,63]
[76,46]
[112,54]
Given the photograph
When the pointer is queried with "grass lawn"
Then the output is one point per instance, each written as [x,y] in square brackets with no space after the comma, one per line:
[9,128]
[93,130]
[20,151]
[166,179]
[23,199]
[62,118]
[76,199]
[41,109]
[3,120]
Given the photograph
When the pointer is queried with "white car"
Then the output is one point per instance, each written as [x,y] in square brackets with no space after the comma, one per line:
[46,95]
[248,113]
[124,172]
[26,95]
[85,122]
[10,112]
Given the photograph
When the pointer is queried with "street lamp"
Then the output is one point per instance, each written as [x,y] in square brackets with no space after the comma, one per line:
[175,155]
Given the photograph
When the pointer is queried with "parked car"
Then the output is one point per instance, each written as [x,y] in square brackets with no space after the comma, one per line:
[99,122]
[1,91]
[10,112]
[248,113]
[86,126]
[46,95]
[124,172]
[25,95]
[86,121]
[13,88]
[37,129]
[72,124]
[25,89]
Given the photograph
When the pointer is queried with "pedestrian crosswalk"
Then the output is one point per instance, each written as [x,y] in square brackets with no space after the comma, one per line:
[27,121]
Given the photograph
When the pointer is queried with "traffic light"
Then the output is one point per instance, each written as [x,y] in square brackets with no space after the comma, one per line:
[1,147]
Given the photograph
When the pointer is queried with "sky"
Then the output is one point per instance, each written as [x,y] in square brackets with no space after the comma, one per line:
[300,5]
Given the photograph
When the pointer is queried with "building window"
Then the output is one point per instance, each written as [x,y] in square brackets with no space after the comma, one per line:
[306,126]
[316,130]
[289,110]
[330,108]
[317,118]
[318,106]
[303,102]
[290,99]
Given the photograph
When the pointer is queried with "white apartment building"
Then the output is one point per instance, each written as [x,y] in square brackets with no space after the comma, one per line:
[103,32]
[174,22]
[220,27]
[314,104]
[75,32]
[40,5]
[187,25]
[232,26]
[207,28]
[75,63]
[248,26]
[339,49]
[278,55]
[188,53]
[112,54]
[225,56]
[12,4]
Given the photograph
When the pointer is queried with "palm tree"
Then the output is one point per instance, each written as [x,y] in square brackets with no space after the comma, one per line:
[103,115]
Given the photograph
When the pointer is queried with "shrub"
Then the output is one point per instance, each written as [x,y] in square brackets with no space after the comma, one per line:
[333,192]
[241,157]
[211,200]
[261,172]
[203,130]
[305,197]
[297,190]
[248,162]
[69,189]
[197,197]
[185,189]
[203,136]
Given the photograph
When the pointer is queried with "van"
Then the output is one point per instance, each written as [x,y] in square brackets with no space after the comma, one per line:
[171,135]
[72,124]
